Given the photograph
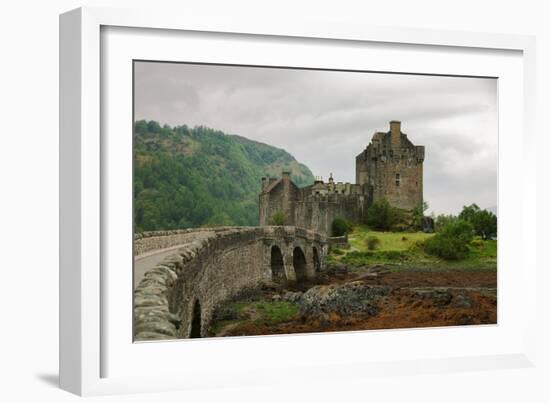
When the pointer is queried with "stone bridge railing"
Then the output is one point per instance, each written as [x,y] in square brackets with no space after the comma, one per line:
[177,297]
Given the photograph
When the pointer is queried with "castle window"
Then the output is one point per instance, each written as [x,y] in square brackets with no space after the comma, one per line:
[397,179]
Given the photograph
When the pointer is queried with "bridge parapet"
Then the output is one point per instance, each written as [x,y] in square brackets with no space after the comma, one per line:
[209,267]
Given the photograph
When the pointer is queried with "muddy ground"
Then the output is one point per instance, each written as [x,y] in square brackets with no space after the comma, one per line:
[414,299]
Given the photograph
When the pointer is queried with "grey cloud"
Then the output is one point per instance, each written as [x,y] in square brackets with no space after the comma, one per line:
[325,118]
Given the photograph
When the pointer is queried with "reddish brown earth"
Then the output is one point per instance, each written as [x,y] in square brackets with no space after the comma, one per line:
[403,307]
[470,279]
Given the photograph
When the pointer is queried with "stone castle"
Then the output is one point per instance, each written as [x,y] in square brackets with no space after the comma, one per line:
[390,167]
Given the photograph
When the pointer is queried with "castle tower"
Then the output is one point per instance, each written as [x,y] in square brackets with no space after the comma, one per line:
[391,167]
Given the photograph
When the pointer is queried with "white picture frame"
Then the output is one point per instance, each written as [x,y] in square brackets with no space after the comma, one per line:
[96,43]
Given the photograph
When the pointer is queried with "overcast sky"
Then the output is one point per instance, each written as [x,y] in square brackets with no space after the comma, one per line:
[325,118]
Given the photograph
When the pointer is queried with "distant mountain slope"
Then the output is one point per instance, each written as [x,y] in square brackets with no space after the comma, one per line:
[191,177]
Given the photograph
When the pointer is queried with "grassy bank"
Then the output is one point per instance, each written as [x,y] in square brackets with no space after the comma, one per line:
[404,251]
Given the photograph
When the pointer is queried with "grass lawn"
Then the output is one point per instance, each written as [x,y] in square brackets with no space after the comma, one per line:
[259,312]
[403,251]
[389,241]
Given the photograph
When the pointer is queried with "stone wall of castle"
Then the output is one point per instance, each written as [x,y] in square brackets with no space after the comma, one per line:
[282,199]
[317,212]
[314,207]
[399,181]
[391,167]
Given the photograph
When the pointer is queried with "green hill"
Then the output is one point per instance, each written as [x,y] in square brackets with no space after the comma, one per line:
[191,177]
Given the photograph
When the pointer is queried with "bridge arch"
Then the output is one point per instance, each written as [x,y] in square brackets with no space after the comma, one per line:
[196,321]
[316,260]
[277,265]
[300,265]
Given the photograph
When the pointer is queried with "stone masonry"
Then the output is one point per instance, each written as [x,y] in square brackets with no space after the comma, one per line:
[390,167]
[210,267]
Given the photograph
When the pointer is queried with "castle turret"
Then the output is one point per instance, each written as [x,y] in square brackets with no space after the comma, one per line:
[395,132]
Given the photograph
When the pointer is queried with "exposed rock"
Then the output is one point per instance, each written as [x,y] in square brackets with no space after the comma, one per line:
[337,269]
[439,297]
[446,297]
[366,276]
[462,301]
[346,299]
[292,296]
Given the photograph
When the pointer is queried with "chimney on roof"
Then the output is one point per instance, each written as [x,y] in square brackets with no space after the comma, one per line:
[395,130]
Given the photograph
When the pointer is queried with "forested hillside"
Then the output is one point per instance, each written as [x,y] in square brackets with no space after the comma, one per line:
[191,177]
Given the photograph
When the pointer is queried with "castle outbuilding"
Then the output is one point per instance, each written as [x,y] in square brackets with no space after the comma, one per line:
[390,167]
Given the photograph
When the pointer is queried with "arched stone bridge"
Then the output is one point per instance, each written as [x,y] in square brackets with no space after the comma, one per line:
[198,269]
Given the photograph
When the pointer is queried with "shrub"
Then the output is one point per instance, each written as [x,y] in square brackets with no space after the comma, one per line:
[400,227]
[372,242]
[460,229]
[358,258]
[477,242]
[452,242]
[417,245]
[278,218]
[442,220]
[336,251]
[340,227]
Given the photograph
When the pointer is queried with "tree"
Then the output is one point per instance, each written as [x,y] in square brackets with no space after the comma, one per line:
[193,177]
[382,216]
[340,226]
[141,127]
[153,127]
[469,212]
[418,214]
[485,224]
[483,221]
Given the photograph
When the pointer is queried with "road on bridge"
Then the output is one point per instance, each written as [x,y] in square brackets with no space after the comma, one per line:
[147,261]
